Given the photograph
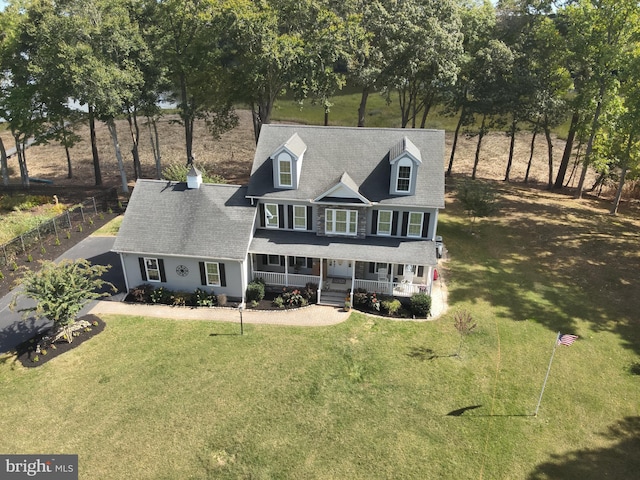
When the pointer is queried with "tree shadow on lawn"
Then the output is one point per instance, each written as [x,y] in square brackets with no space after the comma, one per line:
[551,265]
[620,460]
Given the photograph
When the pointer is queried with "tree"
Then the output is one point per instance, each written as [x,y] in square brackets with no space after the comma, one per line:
[600,34]
[188,38]
[478,22]
[288,46]
[423,48]
[61,290]
[477,198]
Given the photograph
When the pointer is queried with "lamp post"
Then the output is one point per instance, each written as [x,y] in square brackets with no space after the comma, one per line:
[240,308]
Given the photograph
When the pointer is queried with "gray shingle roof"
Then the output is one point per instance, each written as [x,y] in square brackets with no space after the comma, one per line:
[361,152]
[166,218]
[372,249]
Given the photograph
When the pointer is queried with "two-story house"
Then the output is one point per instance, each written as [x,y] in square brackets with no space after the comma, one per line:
[343,208]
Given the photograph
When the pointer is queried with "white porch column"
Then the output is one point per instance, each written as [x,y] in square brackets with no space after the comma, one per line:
[391,270]
[252,273]
[430,280]
[320,282]
[286,271]
[353,280]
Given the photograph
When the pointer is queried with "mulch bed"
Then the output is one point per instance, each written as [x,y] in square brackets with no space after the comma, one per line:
[25,352]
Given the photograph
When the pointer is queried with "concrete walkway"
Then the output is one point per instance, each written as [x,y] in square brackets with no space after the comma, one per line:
[311,316]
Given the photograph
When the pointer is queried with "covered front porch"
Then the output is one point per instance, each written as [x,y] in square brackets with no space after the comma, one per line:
[340,266]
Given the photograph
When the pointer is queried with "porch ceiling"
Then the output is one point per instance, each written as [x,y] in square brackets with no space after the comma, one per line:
[370,249]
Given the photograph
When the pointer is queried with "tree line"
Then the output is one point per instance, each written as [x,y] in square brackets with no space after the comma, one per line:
[516,64]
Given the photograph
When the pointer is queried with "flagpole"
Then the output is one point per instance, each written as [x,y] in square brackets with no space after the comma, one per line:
[544,384]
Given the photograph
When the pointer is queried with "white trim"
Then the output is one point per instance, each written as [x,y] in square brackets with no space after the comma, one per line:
[419,235]
[269,216]
[390,232]
[146,269]
[348,221]
[206,273]
[404,163]
[304,226]
[124,270]
[282,161]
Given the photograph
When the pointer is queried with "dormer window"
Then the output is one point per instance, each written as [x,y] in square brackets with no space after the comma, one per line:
[287,163]
[405,159]
[284,170]
[404,178]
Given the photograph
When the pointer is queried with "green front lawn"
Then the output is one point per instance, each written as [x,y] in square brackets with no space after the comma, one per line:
[369,398]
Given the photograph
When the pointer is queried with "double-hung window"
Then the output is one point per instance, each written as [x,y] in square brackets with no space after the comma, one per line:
[299,217]
[152,268]
[341,222]
[404,179]
[271,215]
[385,218]
[414,227]
[212,271]
[284,167]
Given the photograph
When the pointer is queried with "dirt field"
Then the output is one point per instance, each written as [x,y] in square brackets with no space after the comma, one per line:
[232,154]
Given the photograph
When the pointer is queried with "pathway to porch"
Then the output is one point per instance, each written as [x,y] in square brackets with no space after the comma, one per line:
[312,316]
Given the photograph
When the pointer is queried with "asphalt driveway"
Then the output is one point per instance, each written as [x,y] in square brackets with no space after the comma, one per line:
[14,329]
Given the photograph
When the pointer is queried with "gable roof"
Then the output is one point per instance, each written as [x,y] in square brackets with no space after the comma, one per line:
[294,144]
[345,190]
[405,146]
[167,218]
[363,153]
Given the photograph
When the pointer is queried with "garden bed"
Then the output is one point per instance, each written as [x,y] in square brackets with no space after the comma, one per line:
[27,352]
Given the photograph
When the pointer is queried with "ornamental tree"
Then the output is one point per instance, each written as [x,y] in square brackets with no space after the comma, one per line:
[61,290]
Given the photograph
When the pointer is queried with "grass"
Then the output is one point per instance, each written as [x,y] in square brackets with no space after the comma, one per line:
[14,221]
[110,229]
[380,113]
[159,399]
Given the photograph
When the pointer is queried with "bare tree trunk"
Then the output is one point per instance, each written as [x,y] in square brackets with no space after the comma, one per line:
[592,135]
[156,151]
[69,167]
[111,124]
[566,156]
[616,200]
[66,149]
[134,130]
[455,140]
[533,143]
[4,167]
[512,144]
[480,136]
[576,162]
[94,146]
[24,174]
[547,134]
[362,109]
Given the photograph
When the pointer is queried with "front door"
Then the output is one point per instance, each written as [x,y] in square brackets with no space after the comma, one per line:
[339,268]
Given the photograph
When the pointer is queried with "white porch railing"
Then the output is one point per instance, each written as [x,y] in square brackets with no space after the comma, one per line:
[398,289]
[282,279]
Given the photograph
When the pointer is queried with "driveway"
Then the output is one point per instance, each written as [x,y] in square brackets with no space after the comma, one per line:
[14,329]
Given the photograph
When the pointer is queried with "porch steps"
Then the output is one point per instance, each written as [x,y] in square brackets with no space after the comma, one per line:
[333,297]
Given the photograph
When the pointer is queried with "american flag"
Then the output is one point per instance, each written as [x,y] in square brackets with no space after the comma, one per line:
[566,339]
